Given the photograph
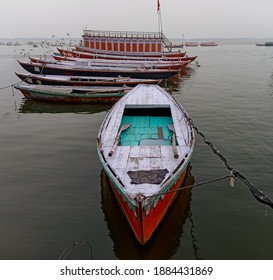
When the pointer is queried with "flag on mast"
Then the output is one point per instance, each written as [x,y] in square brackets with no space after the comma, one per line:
[160,29]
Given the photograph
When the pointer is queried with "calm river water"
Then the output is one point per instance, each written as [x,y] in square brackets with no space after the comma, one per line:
[53,192]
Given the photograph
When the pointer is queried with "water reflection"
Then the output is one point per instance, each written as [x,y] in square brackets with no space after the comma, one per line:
[165,241]
[36,106]
[175,84]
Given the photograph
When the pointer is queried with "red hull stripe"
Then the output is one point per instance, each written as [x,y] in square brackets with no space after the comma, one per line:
[144,225]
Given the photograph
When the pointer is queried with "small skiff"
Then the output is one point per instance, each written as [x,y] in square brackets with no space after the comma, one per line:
[115,63]
[145,144]
[72,94]
[208,44]
[88,55]
[64,80]
[191,44]
[103,71]
[59,57]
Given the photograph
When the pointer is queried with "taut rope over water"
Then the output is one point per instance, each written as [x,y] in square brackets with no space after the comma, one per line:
[258,195]
[191,186]
[12,85]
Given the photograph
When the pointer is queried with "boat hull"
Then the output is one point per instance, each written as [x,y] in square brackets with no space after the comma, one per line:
[191,44]
[82,81]
[175,65]
[36,68]
[172,224]
[143,224]
[208,44]
[87,55]
[67,97]
[96,98]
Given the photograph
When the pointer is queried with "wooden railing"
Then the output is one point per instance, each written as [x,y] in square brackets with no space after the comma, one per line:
[129,34]
[122,34]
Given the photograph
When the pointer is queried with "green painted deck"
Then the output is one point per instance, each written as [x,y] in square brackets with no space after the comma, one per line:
[146,130]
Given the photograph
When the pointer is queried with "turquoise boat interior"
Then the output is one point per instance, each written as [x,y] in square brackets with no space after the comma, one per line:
[148,127]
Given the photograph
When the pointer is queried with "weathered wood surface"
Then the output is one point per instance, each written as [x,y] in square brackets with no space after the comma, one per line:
[136,158]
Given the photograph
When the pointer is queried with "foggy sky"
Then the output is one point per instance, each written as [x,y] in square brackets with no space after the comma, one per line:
[181,18]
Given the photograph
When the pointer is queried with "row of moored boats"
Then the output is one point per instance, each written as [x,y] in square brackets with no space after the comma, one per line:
[81,69]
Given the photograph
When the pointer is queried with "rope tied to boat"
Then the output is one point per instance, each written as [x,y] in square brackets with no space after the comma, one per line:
[11,86]
[186,187]
[258,194]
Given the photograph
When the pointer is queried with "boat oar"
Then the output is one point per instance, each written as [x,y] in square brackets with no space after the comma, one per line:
[123,127]
[175,153]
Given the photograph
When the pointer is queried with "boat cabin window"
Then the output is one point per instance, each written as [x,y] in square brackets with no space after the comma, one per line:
[148,126]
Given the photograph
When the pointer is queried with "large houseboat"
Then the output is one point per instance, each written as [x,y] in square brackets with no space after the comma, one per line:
[125,41]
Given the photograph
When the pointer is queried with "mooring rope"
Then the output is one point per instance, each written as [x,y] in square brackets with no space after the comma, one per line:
[191,186]
[258,195]
[12,85]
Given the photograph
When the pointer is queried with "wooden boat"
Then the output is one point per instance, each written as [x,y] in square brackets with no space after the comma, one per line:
[60,57]
[266,44]
[88,55]
[191,44]
[139,73]
[65,80]
[177,46]
[115,63]
[70,94]
[159,61]
[208,44]
[145,144]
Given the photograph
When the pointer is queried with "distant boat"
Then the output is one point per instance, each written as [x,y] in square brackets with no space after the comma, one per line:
[208,44]
[145,144]
[191,44]
[72,94]
[177,46]
[267,44]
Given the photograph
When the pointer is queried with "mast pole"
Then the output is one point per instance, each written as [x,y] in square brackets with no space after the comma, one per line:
[160,25]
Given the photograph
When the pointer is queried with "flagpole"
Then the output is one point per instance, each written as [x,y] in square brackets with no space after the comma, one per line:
[160,26]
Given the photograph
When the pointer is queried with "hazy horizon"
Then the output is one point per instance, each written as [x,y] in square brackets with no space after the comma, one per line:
[195,19]
[182,38]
